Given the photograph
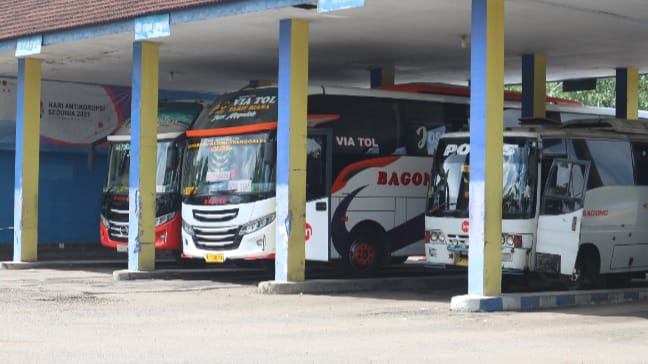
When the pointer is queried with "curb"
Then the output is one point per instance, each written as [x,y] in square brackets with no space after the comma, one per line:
[10,265]
[131,275]
[324,286]
[545,300]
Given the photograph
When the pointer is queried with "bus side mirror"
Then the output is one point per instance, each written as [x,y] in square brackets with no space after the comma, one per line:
[269,152]
[172,158]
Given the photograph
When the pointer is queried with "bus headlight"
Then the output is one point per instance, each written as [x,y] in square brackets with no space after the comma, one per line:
[164,218]
[104,221]
[257,224]
[512,240]
[436,236]
[187,228]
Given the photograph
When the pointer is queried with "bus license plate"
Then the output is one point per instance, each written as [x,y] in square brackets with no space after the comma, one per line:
[214,258]
[122,248]
[460,259]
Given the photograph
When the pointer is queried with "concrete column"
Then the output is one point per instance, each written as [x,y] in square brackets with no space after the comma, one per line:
[27,159]
[291,150]
[143,154]
[486,144]
[534,86]
[384,76]
[627,93]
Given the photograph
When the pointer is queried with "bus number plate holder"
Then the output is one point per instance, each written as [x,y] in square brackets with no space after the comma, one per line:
[215,258]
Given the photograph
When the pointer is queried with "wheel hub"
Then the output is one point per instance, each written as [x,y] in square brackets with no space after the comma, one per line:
[363,254]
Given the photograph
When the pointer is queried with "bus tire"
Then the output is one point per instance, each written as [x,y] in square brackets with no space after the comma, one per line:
[586,271]
[365,252]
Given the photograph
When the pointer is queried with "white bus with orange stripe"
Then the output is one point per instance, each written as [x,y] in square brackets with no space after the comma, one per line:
[368,159]
[575,201]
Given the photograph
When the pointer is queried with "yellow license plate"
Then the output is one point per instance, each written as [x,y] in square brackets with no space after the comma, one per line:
[459,259]
[214,258]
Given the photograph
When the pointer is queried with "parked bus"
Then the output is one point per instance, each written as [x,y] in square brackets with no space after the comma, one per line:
[174,118]
[574,201]
[368,157]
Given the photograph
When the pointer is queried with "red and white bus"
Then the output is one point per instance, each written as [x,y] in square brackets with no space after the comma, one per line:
[174,118]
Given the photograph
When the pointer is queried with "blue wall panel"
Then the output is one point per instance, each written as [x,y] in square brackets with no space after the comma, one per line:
[69,196]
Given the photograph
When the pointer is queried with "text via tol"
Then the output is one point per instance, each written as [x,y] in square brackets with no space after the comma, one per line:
[256,100]
[403,179]
[464,149]
[362,142]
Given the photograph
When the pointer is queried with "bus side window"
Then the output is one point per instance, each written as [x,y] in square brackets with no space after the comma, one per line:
[421,139]
[640,156]
[315,168]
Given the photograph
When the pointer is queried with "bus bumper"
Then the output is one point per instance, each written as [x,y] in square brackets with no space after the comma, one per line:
[167,236]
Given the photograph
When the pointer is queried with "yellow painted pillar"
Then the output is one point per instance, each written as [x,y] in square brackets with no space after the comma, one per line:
[27,160]
[534,86]
[627,93]
[143,154]
[486,145]
[291,150]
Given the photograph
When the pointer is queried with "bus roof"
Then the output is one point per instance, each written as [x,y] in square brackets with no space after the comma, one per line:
[594,127]
[394,94]
[447,89]
[169,127]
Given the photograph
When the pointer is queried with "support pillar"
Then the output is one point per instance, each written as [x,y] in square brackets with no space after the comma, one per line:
[486,145]
[27,159]
[384,76]
[627,93]
[534,86]
[143,154]
[291,150]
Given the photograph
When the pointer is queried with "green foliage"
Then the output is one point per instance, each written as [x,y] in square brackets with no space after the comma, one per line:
[603,96]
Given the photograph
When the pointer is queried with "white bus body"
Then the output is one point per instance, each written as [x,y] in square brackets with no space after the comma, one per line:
[368,159]
[575,201]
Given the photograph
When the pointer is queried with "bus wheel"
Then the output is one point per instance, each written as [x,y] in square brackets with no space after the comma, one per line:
[586,272]
[364,256]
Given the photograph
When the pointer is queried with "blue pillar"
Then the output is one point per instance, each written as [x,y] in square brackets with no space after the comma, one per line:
[627,93]
[290,246]
[486,145]
[534,86]
[143,154]
[27,160]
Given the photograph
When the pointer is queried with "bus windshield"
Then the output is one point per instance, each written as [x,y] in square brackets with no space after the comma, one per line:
[166,175]
[225,165]
[448,191]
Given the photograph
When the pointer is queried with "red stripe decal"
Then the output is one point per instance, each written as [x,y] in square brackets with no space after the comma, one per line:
[232,130]
[342,178]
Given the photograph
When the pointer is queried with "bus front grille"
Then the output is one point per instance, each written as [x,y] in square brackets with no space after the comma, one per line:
[222,238]
[215,216]
[461,240]
[118,220]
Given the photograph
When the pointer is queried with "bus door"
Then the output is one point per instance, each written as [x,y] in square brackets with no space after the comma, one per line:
[560,217]
[318,194]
